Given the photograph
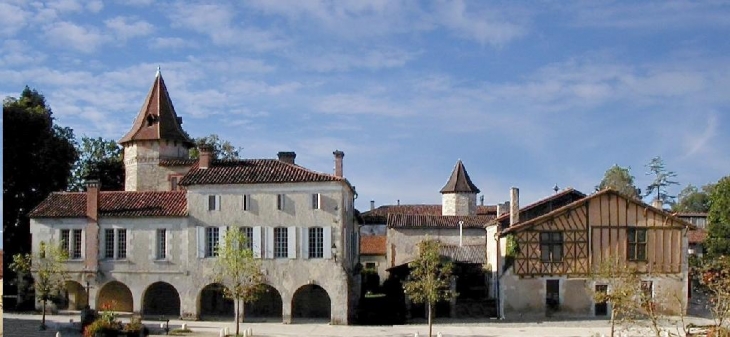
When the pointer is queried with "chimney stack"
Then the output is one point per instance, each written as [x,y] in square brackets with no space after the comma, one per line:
[502,208]
[514,204]
[372,205]
[205,156]
[657,204]
[92,199]
[338,162]
[287,157]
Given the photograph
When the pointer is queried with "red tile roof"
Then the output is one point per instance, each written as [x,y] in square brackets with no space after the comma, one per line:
[438,221]
[697,235]
[465,253]
[372,245]
[533,210]
[120,204]
[459,181]
[253,171]
[177,162]
[380,214]
[157,118]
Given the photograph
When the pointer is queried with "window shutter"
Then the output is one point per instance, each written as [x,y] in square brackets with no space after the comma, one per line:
[304,241]
[256,245]
[201,241]
[217,202]
[269,243]
[292,242]
[221,236]
[83,244]
[327,242]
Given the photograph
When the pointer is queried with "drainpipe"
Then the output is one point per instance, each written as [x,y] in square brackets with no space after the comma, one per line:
[461,233]
[498,290]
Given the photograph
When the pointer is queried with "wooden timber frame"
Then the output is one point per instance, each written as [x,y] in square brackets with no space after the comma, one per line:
[595,228]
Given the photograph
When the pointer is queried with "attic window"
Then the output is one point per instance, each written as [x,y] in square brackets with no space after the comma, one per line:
[151,119]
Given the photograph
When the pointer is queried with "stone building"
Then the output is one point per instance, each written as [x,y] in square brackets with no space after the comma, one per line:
[149,249]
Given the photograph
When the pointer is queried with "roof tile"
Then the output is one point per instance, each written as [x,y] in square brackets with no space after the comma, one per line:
[438,221]
[372,245]
[120,204]
[253,171]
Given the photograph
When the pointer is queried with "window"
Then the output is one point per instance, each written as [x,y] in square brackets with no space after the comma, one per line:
[214,202]
[370,265]
[173,183]
[212,236]
[161,244]
[551,246]
[247,232]
[246,202]
[636,244]
[76,244]
[316,242]
[71,242]
[281,242]
[280,201]
[315,201]
[647,290]
[115,244]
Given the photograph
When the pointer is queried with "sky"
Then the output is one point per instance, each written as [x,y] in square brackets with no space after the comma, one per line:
[528,94]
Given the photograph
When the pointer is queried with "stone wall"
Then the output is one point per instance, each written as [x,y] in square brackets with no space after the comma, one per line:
[458,204]
[402,244]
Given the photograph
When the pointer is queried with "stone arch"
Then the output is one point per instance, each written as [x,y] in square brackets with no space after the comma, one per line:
[267,305]
[75,296]
[115,296]
[161,299]
[311,301]
[212,304]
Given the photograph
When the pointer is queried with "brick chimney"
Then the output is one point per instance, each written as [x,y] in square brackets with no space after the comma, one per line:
[514,204]
[205,156]
[287,157]
[338,162]
[91,261]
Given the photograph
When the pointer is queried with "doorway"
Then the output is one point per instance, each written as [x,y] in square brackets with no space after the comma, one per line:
[601,308]
[552,295]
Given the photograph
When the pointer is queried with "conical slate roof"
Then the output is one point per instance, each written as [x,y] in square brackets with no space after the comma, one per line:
[157,119]
[459,182]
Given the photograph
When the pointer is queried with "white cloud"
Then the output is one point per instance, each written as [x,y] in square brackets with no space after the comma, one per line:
[482,25]
[661,15]
[67,34]
[170,43]
[95,6]
[344,61]
[12,19]
[126,28]
[357,104]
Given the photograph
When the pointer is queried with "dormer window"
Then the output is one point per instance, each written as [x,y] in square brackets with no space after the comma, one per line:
[151,119]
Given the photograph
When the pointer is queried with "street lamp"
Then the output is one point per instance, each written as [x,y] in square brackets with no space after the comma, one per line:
[334,251]
[89,277]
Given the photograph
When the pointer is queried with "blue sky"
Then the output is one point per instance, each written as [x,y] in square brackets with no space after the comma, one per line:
[528,94]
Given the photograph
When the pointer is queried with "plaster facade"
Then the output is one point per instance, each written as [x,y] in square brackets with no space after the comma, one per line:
[402,243]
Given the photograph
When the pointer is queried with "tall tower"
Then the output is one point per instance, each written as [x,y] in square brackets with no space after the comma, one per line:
[156,135]
[459,195]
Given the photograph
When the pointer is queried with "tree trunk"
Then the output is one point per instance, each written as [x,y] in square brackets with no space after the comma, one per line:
[613,321]
[430,314]
[238,310]
[43,317]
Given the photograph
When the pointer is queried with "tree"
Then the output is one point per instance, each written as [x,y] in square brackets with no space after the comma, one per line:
[624,287]
[716,282]
[222,149]
[718,218]
[99,159]
[38,157]
[620,179]
[430,278]
[662,180]
[237,270]
[693,200]
[49,269]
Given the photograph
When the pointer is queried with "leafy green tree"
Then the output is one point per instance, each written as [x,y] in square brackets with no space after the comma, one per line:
[662,181]
[222,149]
[430,278]
[49,271]
[37,160]
[237,270]
[620,179]
[98,159]
[718,218]
[693,200]
[716,282]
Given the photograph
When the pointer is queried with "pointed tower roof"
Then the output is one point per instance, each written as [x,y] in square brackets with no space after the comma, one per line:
[459,182]
[157,119]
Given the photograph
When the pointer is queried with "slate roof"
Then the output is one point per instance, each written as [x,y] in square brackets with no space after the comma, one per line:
[380,214]
[437,221]
[459,182]
[253,171]
[544,205]
[372,245]
[465,254]
[528,223]
[121,204]
[157,118]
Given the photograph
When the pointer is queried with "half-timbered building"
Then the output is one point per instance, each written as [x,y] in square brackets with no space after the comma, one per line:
[550,258]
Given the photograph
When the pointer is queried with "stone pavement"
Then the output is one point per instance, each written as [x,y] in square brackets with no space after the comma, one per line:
[27,325]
